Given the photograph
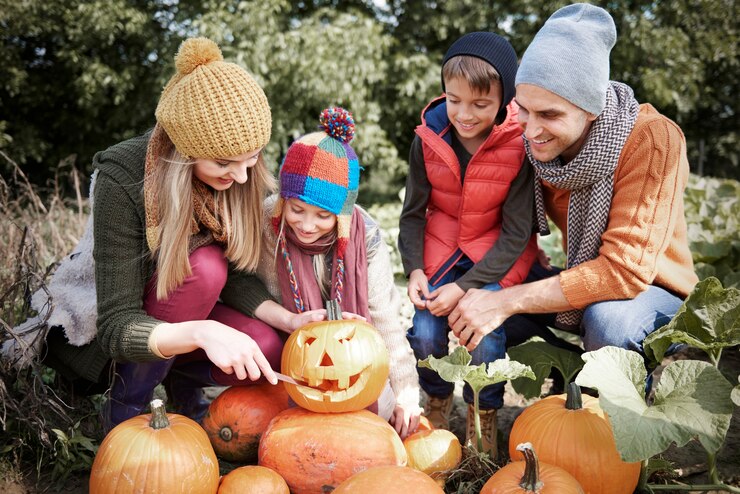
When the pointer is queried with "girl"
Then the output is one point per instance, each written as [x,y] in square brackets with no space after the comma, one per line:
[176,231]
[320,245]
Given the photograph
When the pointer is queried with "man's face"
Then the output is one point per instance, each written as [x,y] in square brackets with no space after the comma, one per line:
[553,125]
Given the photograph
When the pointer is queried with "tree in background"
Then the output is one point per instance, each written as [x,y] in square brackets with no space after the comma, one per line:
[79,75]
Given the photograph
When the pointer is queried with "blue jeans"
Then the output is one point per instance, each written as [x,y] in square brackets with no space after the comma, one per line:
[429,336]
[621,323]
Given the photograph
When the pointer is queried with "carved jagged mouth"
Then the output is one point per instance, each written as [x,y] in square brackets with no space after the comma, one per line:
[326,389]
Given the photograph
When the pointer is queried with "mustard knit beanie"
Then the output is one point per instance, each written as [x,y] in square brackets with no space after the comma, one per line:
[211,108]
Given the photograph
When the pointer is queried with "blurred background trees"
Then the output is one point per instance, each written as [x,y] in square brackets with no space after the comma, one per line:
[79,75]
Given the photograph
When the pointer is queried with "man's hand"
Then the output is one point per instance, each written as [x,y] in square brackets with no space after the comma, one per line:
[444,299]
[418,288]
[478,313]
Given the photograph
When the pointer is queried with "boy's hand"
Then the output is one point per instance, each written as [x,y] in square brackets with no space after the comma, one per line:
[418,289]
[444,299]
[543,259]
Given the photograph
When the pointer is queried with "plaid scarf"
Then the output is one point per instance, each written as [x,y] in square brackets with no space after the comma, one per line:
[207,212]
[590,178]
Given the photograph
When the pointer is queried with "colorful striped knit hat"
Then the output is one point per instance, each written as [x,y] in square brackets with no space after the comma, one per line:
[322,169]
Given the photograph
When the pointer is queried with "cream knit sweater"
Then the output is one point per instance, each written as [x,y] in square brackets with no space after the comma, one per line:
[384,303]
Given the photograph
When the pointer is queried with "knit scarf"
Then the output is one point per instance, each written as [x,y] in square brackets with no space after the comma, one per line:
[207,212]
[349,269]
[590,178]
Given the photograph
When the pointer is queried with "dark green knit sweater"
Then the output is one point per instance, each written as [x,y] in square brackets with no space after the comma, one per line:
[123,266]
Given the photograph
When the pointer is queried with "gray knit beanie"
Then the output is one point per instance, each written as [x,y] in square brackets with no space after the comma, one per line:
[569,56]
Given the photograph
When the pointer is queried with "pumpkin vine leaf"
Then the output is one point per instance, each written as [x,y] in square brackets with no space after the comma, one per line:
[456,367]
[692,400]
[709,319]
[542,357]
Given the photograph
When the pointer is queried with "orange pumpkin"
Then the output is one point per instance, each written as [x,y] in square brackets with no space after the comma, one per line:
[152,453]
[238,416]
[311,450]
[574,433]
[344,363]
[253,479]
[530,476]
[434,453]
[424,424]
[389,480]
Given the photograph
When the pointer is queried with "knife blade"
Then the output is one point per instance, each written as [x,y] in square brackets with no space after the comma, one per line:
[288,379]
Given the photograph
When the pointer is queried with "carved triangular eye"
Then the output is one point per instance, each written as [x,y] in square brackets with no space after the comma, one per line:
[345,334]
[306,338]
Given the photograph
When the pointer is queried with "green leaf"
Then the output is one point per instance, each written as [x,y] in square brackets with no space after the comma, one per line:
[735,395]
[456,367]
[692,400]
[500,370]
[542,357]
[709,319]
[453,367]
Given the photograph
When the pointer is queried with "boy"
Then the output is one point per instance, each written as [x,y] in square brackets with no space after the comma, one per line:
[467,215]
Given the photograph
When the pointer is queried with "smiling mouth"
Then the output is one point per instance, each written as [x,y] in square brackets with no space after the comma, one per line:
[466,126]
[545,141]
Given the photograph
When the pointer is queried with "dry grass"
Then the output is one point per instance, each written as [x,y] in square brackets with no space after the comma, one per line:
[38,229]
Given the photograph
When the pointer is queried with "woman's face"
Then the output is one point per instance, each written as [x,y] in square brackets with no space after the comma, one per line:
[308,222]
[221,173]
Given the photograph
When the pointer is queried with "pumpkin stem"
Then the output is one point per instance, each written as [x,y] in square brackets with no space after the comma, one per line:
[159,418]
[573,398]
[531,479]
[333,311]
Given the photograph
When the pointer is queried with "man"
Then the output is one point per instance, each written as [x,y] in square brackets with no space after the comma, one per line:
[610,173]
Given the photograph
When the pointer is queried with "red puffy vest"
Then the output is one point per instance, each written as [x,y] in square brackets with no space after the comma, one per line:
[468,217]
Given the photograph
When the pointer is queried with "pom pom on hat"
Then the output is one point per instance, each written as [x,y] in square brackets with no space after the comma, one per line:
[195,52]
[338,123]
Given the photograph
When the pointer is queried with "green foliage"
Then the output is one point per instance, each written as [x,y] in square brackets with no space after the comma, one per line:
[709,319]
[541,357]
[456,367]
[713,218]
[692,400]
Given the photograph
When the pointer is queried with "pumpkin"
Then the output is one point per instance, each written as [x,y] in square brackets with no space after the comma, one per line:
[344,362]
[389,480]
[238,416]
[531,476]
[574,433]
[253,479]
[311,450]
[424,424]
[434,453]
[157,452]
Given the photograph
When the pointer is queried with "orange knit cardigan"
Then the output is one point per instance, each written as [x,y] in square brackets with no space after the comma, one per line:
[645,241]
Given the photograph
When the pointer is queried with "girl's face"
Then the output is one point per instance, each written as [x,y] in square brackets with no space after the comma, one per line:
[221,173]
[308,222]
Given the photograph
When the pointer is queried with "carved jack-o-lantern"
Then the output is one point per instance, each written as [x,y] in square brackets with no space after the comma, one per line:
[343,362]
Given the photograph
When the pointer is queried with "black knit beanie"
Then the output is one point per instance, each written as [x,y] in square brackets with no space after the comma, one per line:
[495,50]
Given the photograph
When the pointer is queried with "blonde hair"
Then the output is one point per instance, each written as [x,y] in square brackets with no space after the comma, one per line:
[242,206]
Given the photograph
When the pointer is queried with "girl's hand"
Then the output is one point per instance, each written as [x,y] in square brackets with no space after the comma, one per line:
[418,288]
[444,299]
[352,315]
[298,320]
[405,420]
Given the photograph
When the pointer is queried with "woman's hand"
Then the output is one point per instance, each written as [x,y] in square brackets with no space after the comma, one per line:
[418,289]
[405,420]
[230,350]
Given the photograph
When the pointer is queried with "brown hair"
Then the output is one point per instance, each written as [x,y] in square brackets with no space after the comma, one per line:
[480,74]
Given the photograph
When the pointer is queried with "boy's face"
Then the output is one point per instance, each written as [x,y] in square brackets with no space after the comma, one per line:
[308,222]
[553,125]
[472,113]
